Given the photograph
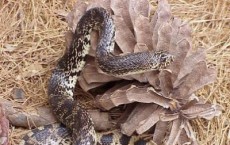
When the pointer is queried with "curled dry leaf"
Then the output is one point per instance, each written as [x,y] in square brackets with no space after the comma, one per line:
[161,16]
[169,95]
[36,117]
[160,132]
[141,113]
[176,129]
[4,127]
[131,93]
[181,133]
[18,94]
[120,9]
[123,35]
[207,111]
[150,121]
[41,116]
[89,72]
[198,77]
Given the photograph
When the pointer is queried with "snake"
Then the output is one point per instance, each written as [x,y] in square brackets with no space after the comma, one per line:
[78,126]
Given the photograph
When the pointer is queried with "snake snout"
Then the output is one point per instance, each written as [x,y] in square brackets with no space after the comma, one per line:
[166,59]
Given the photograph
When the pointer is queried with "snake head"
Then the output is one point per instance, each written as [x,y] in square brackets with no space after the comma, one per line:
[165,59]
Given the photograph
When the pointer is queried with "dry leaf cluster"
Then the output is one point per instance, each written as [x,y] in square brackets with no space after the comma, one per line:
[32,38]
[170,96]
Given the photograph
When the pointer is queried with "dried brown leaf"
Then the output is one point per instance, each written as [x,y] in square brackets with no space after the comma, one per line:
[199,77]
[18,94]
[160,132]
[129,94]
[166,84]
[181,31]
[139,13]
[40,116]
[120,9]
[164,37]
[183,138]
[113,98]
[169,116]
[137,8]
[153,79]
[150,121]
[85,86]
[91,75]
[4,127]
[189,63]
[140,113]
[177,126]
[37,117]
[163,15]
[207,111]
[142,33]
[123,35]
[180,52]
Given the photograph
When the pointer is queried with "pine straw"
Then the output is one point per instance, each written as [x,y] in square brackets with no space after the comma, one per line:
[32,38]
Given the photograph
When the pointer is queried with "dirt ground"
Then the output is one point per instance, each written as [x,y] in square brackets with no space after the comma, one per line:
[32,39]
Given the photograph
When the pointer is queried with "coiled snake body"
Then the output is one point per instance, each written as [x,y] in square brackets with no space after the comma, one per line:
[65,75]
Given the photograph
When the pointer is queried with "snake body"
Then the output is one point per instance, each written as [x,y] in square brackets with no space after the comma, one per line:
[64,77]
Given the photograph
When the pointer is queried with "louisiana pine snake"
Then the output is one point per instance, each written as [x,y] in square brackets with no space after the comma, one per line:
[64,77]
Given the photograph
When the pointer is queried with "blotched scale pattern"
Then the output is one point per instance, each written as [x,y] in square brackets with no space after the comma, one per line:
[64,78]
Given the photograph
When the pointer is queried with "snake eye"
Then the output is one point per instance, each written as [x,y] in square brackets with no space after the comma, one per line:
[163,58]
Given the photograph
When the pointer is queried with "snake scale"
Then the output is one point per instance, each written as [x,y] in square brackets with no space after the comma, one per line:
[64,77]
